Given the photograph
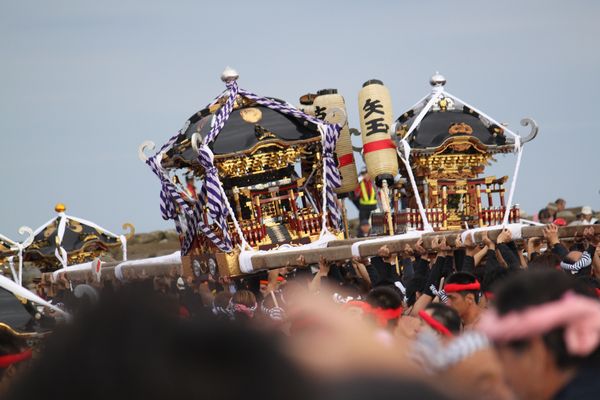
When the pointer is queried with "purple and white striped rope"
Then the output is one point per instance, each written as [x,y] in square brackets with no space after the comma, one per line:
[211,194]
[167,205]
[332,179]
[284,108]
[171,201]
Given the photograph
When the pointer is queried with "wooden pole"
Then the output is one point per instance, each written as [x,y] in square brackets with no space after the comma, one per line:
[342,204]
[337,250]
[340,250]
[108,271]
[385,201]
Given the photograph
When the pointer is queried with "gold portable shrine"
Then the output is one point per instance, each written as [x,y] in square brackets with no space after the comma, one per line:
[451,144]
[269,164]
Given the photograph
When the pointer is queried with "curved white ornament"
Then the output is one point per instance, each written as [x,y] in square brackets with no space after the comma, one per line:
[196,142]
[26,230]
[146,145]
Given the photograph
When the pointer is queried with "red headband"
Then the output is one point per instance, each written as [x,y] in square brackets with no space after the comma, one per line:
[459,287]
[435,324]
[360,304]
[280,279]
[382,315]
[10,359]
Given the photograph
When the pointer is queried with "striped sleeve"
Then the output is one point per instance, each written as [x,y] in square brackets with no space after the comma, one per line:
[584,262]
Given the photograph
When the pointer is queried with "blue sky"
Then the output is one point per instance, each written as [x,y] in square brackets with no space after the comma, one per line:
[83,83]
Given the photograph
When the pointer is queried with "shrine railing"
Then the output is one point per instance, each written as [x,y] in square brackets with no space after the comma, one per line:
[410,218]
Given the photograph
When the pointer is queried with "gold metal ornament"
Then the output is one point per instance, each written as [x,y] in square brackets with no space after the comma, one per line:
[251,115]
[460,128]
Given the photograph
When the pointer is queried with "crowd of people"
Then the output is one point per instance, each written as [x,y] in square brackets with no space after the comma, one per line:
[502,319]
[556,212]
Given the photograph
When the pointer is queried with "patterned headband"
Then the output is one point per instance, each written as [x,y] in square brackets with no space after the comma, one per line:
[579,315]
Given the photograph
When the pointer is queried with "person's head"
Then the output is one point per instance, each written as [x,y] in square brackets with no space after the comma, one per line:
[561,204]
[544,328]
[546,260]
[220,305]
[441,314]
[573,256]
[104,354]
[492,279]
[463,292]
[552,208]
[544,216]
[365,227]
[387,305]
[244,297]
[586,213]
[243,304]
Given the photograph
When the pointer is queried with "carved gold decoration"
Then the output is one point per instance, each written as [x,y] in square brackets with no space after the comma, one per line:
[75,226]
[129,226]
[451,166]
[87,238]
[401,130]
[50,229]
[443,103]
[258,162]
[460,128]
[262,133]
[83,256]
[465,143]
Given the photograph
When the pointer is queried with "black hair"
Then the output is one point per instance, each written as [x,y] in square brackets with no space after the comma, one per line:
[544,213]
[464,278]
[536,287]
[577,246]
[547,259]
[493,278]
[445,315]
[386,298]
[133,345]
